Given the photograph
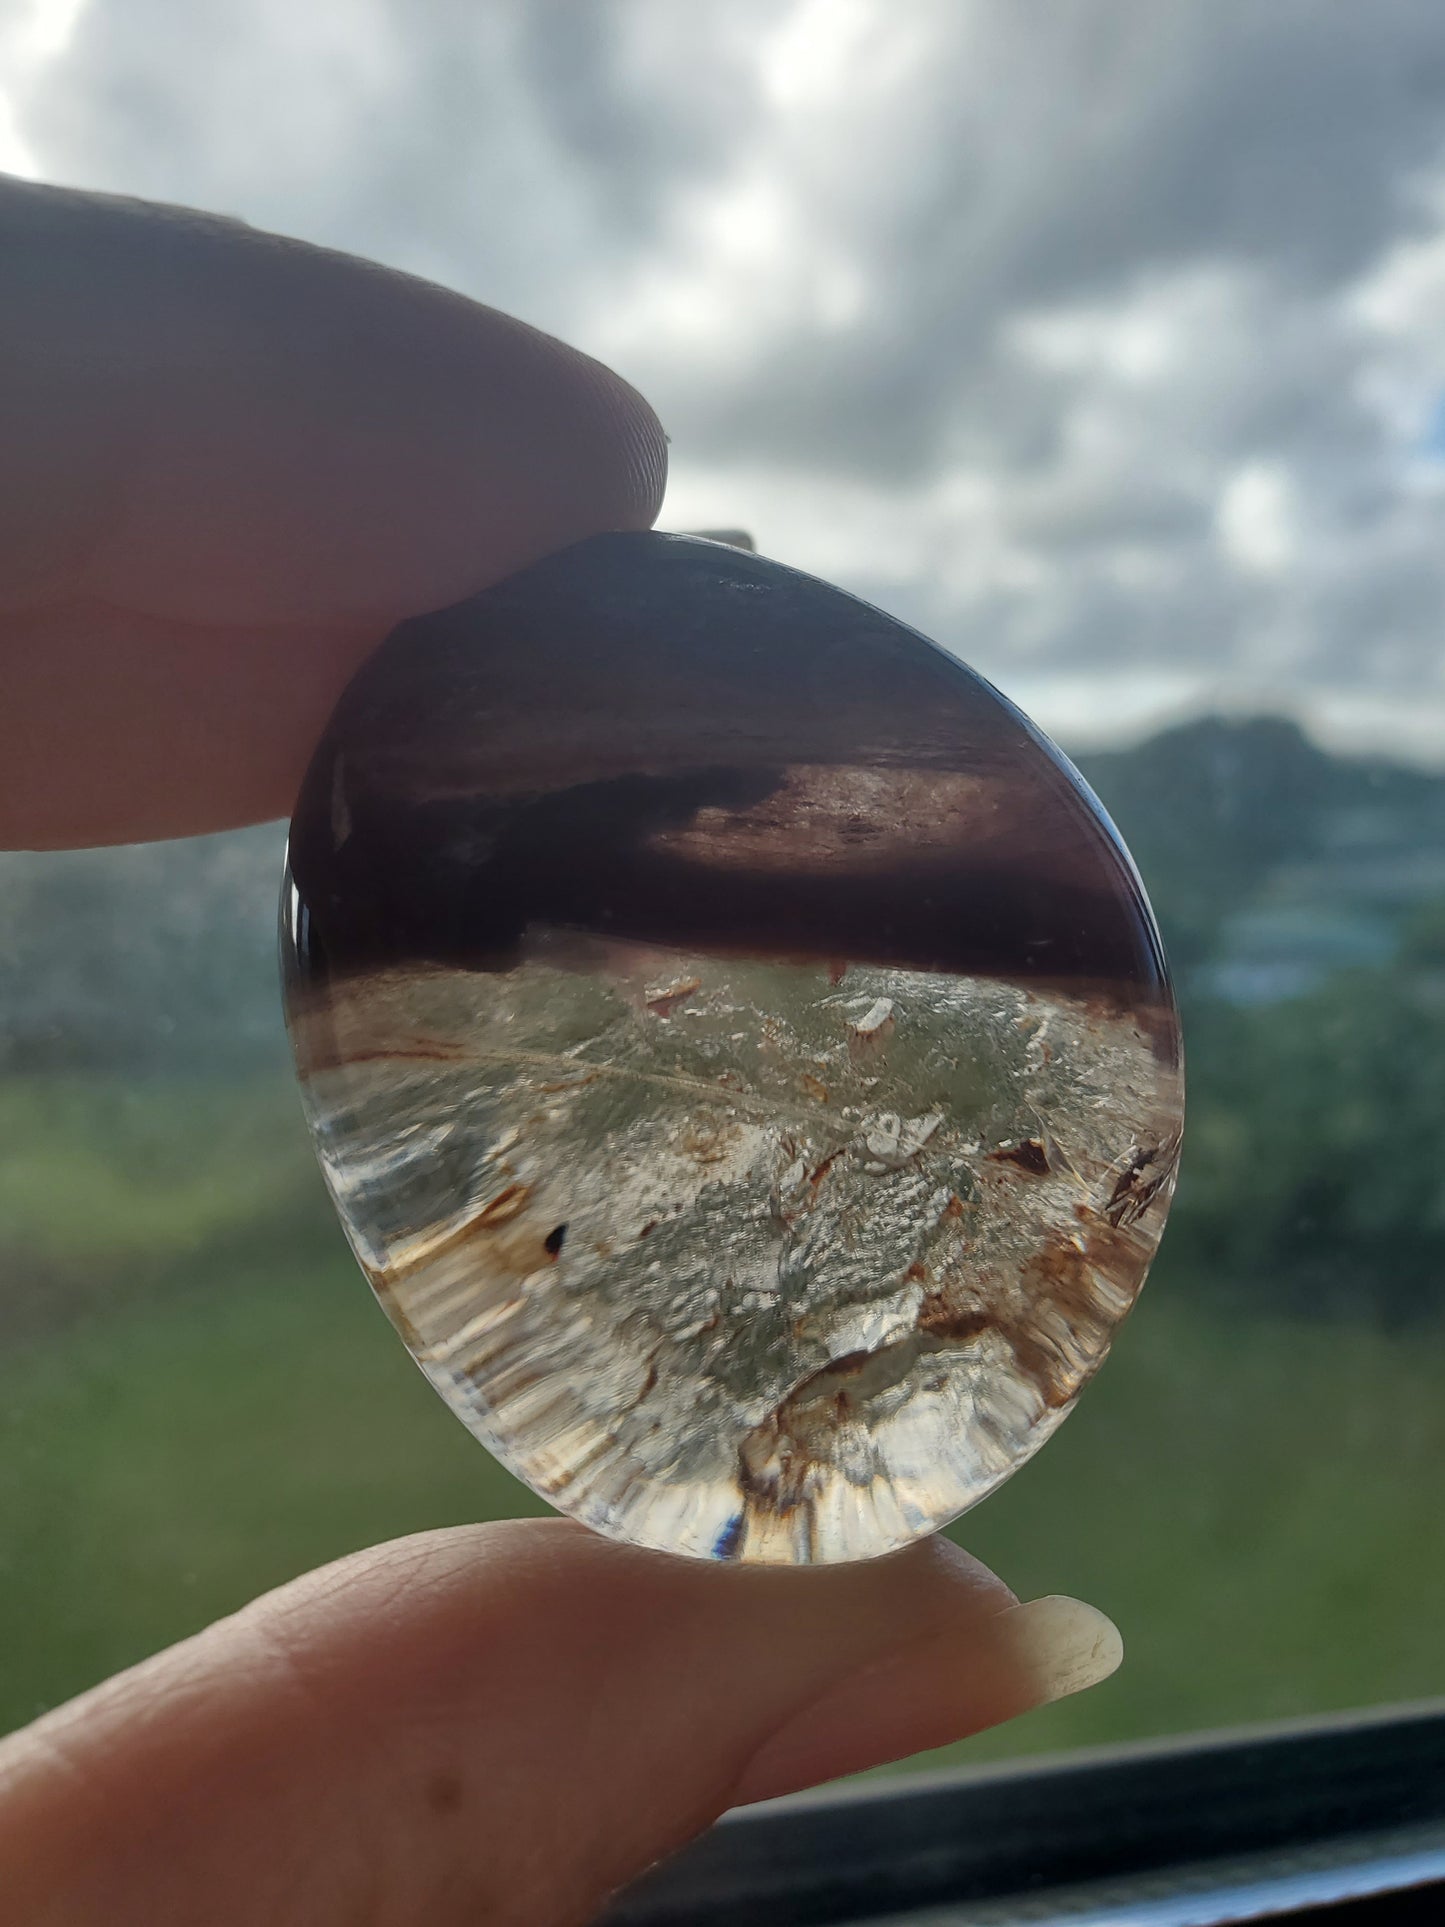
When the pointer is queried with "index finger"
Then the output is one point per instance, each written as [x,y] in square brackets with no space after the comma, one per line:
[231,463]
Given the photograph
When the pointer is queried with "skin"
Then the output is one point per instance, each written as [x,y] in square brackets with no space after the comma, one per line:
[230,464]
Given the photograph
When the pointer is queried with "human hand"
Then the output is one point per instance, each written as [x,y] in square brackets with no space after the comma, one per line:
[231,464]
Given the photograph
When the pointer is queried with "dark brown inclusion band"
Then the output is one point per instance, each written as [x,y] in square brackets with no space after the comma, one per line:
[660,739]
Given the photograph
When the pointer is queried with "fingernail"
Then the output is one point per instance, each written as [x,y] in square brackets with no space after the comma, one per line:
[1060,1645]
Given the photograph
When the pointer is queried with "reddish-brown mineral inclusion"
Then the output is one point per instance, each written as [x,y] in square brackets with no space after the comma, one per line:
[737,1044]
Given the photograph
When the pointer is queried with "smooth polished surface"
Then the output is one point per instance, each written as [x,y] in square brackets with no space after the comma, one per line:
[737,1045]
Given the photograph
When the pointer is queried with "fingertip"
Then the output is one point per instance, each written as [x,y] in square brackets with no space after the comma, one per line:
[227,426]
[929,1692]
[628,464]
[233,462]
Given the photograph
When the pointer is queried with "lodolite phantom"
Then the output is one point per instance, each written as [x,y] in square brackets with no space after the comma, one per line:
[736,1042]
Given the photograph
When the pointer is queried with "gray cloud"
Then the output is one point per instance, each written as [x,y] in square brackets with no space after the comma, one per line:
[1036,154]
[1098,338]
[522,153]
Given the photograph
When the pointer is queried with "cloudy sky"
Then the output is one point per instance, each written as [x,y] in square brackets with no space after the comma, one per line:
[1104,339]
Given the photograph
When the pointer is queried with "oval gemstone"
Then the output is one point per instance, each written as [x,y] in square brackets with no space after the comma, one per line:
[737,1044]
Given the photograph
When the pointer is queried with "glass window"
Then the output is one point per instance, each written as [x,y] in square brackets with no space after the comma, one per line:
[1104,346]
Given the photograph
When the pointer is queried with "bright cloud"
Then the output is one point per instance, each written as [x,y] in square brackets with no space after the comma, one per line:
[1104,343]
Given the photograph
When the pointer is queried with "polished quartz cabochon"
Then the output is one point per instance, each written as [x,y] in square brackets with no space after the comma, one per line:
[736,1042]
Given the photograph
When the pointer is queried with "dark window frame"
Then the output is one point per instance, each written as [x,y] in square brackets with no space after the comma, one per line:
[1345,1814]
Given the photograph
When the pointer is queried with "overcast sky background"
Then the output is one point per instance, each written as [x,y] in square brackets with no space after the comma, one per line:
[1103,339]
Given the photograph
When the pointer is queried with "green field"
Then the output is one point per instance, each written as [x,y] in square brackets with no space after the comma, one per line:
[198,1399]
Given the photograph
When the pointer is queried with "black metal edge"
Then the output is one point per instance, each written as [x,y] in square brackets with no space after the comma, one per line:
[867,1848]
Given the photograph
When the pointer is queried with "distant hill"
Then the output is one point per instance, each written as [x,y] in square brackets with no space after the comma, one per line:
[1270,863]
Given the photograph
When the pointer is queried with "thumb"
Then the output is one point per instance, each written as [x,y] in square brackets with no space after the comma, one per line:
[500,1722]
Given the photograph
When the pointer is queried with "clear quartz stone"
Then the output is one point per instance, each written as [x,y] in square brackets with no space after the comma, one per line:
[737,1046]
